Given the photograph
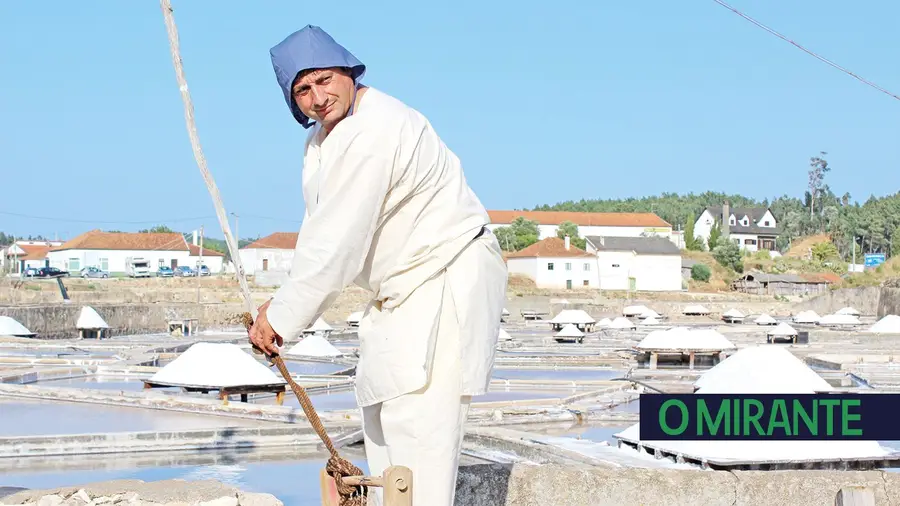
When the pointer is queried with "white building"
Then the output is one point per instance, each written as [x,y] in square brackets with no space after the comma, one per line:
[24,254]
[274,252]
[213,260]
[600,224]
[555,263]
[109,251]
[752,228]
[636,263]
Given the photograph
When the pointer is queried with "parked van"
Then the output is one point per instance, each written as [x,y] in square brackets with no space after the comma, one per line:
[137,267]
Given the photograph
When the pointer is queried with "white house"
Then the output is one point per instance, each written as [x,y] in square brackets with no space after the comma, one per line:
[109,251]
[600,224]
[213,260]
[555,263]
[24,254]
[636,263]
[274,252]
[752,228]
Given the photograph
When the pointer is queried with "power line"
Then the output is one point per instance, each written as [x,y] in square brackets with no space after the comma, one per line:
[106,222]
[782,37]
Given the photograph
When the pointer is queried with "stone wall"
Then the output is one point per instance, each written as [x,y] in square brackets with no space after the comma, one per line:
[863,299]
[889,303]
[58,321]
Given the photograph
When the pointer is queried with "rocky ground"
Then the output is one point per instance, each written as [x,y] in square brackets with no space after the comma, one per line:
[139,493]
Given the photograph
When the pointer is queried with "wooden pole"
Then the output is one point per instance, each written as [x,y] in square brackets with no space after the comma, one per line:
[854,496]
[396,482]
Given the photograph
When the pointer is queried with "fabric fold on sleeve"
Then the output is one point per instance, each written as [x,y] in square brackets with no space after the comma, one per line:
[334,239]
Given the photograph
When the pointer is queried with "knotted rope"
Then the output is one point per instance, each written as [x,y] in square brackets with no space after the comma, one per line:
[337,467]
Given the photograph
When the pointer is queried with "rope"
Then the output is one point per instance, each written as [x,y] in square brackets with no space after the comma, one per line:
[337,467]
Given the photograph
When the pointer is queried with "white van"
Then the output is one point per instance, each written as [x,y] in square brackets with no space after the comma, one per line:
[137,267]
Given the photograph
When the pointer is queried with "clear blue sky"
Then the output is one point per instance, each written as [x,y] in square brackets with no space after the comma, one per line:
[543,102]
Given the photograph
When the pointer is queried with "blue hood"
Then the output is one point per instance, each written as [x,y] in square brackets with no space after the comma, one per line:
[309,48]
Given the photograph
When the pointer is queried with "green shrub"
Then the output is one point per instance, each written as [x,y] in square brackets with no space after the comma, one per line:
[700,272]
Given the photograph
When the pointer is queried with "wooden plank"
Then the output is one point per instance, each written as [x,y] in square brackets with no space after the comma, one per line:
[330,496]
[855,496]
[398,483]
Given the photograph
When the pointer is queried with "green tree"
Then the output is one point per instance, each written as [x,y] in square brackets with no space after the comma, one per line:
[691,242]
[520,234]
[728,254]
[700,272]
[159,229]
[571,229]
[818,168]
[825,251]
[714,234]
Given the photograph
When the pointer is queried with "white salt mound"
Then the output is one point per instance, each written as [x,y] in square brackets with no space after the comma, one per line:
[681,338]
[649,313]
[650,321]
[695,309]
[839,319]
[90,319]
[808,316]
[10,327]
[621,323]
[569,330]
[890,324]
[218,365]
[761,370]
[355,317]
[505,312]
[576,316]
[314,346]
[765,319]
[604,322]
[504,335]
[848,310]
[783,329]
[633,310]
[319,326]
[733,313]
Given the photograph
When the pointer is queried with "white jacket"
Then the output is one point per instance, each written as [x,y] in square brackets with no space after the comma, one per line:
[388,207]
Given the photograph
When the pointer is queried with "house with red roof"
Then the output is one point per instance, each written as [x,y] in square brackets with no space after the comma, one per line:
[596,224]
[274,252]
[555,263]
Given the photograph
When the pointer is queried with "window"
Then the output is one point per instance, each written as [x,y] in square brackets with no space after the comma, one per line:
[74,264]
[731,220]
[568,284]
[765,223]
[615,265]
[587,267]
[104,264]
[162,262]
[568,266]
[751,242]
[737,241]
[549,266]
[744,222]
[586,283]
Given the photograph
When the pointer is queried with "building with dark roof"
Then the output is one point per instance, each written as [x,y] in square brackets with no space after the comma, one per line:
[752,228]
[636,263]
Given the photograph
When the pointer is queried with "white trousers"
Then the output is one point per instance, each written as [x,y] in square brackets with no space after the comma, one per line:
[423,430]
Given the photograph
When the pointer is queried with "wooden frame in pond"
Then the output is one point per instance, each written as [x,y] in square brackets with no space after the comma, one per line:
[224,392]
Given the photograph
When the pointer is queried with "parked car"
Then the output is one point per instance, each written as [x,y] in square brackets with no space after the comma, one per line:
[29,272]
[52,272]
[165,272]
[93,272]
[204,270]
[184,271]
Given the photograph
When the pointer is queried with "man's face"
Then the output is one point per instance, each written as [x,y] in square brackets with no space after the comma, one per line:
[324,95]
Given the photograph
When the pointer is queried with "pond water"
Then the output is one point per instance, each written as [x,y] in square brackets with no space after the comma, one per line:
[102,382]
[516,395]
[581,373]
[301,367]
[293,482]
[23,417]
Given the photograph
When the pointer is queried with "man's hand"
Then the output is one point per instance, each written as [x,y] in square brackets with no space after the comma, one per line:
[262,335]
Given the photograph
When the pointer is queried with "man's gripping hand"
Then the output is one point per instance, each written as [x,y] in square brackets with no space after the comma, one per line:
[262,335]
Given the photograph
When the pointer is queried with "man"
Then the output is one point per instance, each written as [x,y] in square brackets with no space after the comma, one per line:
[388,207]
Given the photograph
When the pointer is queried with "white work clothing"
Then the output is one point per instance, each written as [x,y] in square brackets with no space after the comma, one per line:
[388,207]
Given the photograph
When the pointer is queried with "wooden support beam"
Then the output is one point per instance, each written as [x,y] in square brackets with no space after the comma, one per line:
[279,398]
[855,496]
[396,483]
[654,358]
[691,367]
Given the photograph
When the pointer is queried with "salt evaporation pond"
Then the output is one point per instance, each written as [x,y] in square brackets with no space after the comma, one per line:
[582,373]
[301,367]
[519,395]
[293,482]
[116,383]
[24,417]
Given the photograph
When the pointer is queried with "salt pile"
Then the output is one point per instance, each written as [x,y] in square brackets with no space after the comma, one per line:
[575,316]
[782,330]
[217,365]
[695,309]
[319,326]
[732,315]
[89,319]
[570,330]
[504,336]
[10,327]
[761,370]
[604,322]
[848,310]
[314,346]
[650,321]
[622,323]
[683,339]
[649,313]
[633,310]
[354,318]
[890,324]
[765,319]
[838,319]
[809,316]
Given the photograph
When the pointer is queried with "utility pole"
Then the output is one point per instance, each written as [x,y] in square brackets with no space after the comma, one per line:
[854,253]
[200,265]
[237,239]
